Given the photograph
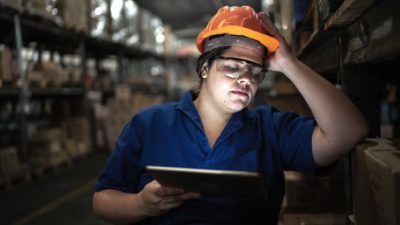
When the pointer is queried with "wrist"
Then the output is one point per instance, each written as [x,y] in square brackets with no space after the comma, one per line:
[289,64]
[141,205]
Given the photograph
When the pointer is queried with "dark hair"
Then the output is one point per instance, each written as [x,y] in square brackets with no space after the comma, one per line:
[206,57]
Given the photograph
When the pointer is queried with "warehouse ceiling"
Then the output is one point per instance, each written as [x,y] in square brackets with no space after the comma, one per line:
[188,17]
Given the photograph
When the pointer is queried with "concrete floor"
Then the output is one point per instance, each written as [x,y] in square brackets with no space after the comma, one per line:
[64,196]
[59,197]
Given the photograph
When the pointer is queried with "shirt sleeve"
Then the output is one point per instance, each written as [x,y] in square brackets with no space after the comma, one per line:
[122,169]
[292,138]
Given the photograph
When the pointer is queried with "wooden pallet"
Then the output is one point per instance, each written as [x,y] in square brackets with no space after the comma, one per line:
[50,166]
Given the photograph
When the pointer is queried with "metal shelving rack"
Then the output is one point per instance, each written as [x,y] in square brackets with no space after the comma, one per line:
[21,27]
[359,45]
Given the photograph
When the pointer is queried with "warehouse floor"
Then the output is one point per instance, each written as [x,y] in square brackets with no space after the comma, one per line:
[59,197]
[63,197]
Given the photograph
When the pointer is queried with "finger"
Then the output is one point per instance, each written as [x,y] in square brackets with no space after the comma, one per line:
[165,191]
[169,205]
[171,198]
[190,195]
[269,26]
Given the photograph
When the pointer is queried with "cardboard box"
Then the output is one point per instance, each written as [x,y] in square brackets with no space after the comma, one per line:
[99,19]
[384,174]
[305,194]
[364,207]
[74,14]
[313,219]
[79,130]
[11,169]
[375,176]
[5,65]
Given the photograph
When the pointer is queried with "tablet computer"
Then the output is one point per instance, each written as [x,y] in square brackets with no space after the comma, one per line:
[223,183]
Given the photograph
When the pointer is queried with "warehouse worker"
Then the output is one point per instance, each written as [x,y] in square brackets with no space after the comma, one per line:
[212,128]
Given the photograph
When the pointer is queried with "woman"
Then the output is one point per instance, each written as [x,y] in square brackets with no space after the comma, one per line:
[212,128]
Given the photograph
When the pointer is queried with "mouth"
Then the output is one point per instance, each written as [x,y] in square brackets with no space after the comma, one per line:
[241,93]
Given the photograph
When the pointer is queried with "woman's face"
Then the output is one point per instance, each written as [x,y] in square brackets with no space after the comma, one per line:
[232,93]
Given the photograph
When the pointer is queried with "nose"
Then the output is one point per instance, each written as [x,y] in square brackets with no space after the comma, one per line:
[244,80]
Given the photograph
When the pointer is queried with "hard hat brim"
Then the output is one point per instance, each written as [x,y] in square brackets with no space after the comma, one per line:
[269,42]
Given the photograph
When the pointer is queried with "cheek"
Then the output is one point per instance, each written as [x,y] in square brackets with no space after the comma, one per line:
[254,88]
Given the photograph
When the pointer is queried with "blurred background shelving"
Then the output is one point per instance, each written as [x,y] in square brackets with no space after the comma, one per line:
[72,73]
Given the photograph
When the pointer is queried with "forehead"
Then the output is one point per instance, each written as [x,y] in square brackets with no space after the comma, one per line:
[244,52]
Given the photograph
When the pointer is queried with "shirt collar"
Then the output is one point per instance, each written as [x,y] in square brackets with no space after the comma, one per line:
[237,121]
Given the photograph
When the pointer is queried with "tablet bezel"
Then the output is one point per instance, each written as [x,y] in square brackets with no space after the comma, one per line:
[210,182]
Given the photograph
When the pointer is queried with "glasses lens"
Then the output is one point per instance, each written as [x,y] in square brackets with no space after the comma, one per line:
[230,68]
[235,68]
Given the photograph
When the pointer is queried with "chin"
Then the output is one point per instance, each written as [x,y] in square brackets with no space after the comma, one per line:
[237,107]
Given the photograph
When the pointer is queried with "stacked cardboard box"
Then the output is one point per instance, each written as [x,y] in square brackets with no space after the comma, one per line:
[15,3]
[11,169]
[120,110]
[313,219]
[46,150]
[99,19]
[305,194]
[74,14]
[377,182]
[48,74]
[285,97]
[5,65]
[77,136]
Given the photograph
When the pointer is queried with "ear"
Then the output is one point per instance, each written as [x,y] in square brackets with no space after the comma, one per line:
[204,70]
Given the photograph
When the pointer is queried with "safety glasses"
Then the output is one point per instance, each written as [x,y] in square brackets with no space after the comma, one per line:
[235,68]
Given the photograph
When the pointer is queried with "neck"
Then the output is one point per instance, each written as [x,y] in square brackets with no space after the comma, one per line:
[213,120]
[209,112]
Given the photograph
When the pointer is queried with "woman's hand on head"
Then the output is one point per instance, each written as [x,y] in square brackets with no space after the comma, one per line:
[156,199]
[279,59]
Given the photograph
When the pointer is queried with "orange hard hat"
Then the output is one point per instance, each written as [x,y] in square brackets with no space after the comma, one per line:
[241,21]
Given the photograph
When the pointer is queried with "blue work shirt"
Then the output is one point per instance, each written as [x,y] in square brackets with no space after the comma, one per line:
[172,134]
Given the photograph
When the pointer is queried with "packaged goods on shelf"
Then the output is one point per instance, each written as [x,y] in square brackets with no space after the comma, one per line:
[5,65]
[43,8]
[125,22]
[46,150]
[305,194]
[284,96]
[132,14]
[118,21]
[48,74]
[313,219]
[120,110]
[78,129]
[74,14]
[384,166]
[123,93]
[377,181]
[15,3]
[10,167]
[99,19]
[74,75]
[152,32]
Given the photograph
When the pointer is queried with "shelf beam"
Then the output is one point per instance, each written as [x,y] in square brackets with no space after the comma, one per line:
[372,38]
[348,12]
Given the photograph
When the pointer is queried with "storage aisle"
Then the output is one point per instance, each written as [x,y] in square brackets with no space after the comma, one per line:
[61,196]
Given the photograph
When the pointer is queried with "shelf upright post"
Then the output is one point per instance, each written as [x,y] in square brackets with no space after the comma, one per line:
[342,81]
[23,95]
[121,67]
[82,53]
